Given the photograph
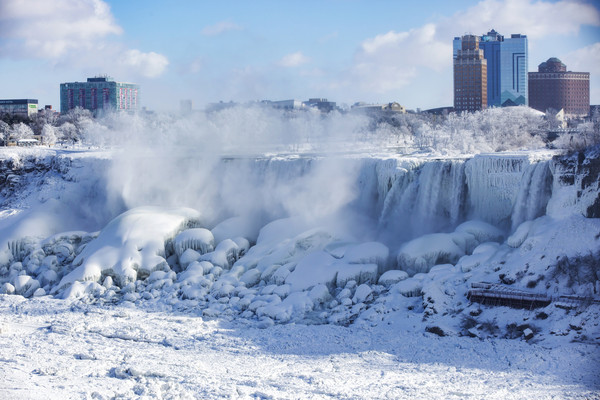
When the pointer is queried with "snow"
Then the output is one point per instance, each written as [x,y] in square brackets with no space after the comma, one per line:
[127,352]
[131,244]
[368,299]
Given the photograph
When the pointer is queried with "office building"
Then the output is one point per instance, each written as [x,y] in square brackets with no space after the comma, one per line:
[553,87]
[470,76]
[507,65]
[99,94]
[20,107]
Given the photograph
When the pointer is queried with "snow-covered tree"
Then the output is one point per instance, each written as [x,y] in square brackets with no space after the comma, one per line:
[21,131]
[48,134]
[43,117]
[68,132]
[4,132]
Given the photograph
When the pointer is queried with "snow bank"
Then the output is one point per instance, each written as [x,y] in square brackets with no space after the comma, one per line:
[130,247]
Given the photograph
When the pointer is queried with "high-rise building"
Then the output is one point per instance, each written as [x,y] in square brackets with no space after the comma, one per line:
[99,94]
[506,67]
[22,107]
[470,76]
[555,87]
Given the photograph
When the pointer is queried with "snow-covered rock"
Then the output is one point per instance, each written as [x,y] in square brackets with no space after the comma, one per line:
[390,277]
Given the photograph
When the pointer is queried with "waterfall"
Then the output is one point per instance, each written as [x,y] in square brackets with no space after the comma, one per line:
[534,192]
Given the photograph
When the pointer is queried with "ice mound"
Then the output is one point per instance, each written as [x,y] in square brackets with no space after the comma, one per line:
[481,231]
[316,268]
[130,247]
[422,253]
[237,227]
[368,253]
[393,276]
[197,239]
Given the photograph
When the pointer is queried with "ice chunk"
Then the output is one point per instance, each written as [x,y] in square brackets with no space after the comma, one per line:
[363,293]
[521,233]
[25,285]
[316,268]
[392,276]
[337,249]
[7,288]
[360,273]
[80,289]
[243,245]
[410,287]
[420,254]
[224,255]
[282,291]
[198,239]
[482,231]
[251,277]
[488,247]
[47,277]
[296,305]
[368,253]
[280,229]
[319,294]
[194,272]
[188,257]
[280,275]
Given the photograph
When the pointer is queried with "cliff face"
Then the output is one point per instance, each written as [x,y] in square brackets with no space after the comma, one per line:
[577,177]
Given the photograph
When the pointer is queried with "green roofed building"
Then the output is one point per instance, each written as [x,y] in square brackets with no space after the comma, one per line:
[99,94]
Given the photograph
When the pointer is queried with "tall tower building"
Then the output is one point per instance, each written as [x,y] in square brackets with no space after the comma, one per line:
[99,94]
[507,64]
[470,76]
[555,87]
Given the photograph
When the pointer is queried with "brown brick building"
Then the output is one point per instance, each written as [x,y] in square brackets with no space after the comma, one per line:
[555,87]
[470,76]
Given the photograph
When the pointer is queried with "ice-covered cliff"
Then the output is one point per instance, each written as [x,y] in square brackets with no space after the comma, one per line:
[278,239]
[391,199]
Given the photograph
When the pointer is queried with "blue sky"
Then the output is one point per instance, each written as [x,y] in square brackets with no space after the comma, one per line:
[344,50]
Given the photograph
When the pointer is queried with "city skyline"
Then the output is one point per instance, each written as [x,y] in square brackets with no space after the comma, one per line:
[345,51]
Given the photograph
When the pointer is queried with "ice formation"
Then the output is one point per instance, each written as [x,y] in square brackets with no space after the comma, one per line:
[403,233]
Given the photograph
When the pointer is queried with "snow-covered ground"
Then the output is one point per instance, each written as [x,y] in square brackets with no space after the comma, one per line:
[55,349]
[173,275]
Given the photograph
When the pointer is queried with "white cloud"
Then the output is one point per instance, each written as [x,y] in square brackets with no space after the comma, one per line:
[293,60]
[536,19]
[586,59]
[149,64]
[49,29]
[220,27]
[71,32]
[391,61]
